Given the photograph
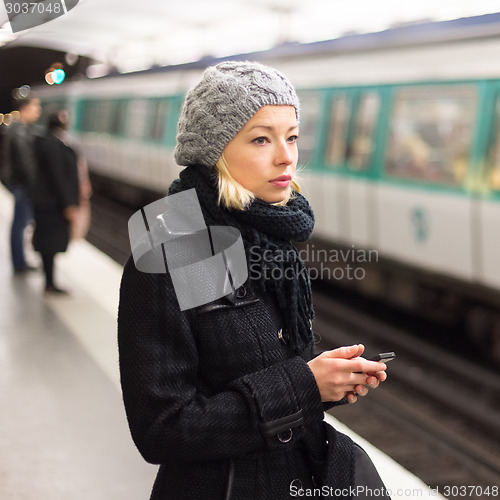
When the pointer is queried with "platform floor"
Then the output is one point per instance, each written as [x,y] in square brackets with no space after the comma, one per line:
[63,432]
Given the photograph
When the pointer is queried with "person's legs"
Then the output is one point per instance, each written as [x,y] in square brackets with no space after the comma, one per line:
[48,269]
[23,214]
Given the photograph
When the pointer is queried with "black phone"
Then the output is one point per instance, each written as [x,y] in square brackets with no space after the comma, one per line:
[384,357]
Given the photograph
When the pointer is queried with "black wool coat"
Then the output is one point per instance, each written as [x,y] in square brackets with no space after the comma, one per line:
[18,156]
[56,187]
[215,396]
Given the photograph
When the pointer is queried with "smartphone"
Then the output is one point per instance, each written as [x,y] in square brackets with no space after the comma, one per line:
[384,357]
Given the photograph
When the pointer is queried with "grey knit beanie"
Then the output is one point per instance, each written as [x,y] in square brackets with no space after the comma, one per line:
[216,109]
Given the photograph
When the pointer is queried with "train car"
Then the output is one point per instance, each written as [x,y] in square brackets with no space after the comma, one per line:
[400,155]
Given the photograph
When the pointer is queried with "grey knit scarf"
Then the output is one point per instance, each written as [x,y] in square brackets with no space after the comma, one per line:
[274,264]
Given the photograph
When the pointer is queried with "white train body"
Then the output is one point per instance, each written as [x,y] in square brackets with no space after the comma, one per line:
[452,232]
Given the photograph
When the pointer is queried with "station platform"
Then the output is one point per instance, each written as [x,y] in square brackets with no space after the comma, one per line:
[63,431]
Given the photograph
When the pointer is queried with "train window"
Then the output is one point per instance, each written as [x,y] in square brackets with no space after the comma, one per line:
[362,145]
[89,110]
[137,118]
[158,120]
[494,156]
[103,115]
[118,117]
[431,133]
[337,139]
[309,117]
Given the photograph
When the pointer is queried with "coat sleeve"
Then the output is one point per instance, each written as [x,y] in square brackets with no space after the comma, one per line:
[21,157]
[270,409]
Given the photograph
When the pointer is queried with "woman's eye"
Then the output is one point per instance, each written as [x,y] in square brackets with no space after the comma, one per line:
[293,138]
[260,140]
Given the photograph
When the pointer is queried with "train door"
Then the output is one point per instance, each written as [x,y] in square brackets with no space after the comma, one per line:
[335,220]
[489,204]
[349,156]
[309,171]
[362,165]
[424,204]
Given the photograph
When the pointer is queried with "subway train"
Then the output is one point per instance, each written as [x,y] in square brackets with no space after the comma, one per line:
[399,152]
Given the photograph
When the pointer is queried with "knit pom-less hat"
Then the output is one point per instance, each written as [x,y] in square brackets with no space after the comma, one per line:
[216,109]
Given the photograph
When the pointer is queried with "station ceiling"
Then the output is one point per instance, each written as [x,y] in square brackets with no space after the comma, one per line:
[131,34]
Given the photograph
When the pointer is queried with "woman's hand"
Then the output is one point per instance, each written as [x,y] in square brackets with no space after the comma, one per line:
[372,380]
[343,373]
[70,213]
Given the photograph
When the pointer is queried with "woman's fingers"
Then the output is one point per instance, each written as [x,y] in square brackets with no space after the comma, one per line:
[378,376]
[346,352]
[351,397]
[361,390]
[341,371]
[357,378]
[372,381]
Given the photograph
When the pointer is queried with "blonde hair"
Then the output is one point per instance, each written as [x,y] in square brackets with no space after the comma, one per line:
[233,195]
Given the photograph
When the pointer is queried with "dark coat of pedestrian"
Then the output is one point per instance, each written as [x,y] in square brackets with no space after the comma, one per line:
[228,397]
[56,195]
[18,173]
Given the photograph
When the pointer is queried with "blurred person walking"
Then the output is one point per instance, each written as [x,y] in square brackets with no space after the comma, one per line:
[19,173]
[56,196]
[81,225]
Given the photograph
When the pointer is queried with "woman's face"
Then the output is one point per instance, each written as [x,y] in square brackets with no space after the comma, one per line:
[31,111]
[64,119]
[263,155]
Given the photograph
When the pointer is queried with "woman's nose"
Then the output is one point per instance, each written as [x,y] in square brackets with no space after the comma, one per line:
[284,154]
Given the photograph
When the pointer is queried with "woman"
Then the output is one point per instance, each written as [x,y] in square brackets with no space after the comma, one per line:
[55,195]
[228,397]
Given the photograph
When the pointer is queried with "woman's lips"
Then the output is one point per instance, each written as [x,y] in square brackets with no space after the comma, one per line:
[282,181]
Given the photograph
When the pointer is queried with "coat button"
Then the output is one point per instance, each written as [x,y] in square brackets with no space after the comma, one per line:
[286,436]
[297,483]
[280,335]
[241,292]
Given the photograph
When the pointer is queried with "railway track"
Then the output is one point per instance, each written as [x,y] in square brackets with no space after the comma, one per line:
[438,414]
[109,229]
